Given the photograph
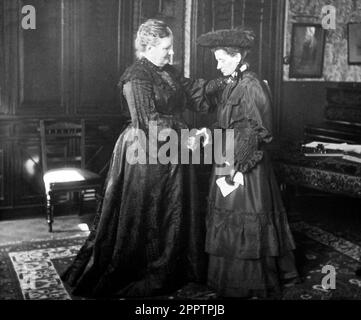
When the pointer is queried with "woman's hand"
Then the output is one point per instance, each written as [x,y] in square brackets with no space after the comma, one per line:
[235,178]
[206,133]
[230,176]
[192,143]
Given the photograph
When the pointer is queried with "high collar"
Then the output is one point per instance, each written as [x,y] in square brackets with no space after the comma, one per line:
[238,73]
[150,64]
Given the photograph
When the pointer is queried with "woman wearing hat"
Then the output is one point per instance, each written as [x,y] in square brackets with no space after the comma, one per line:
[248,238]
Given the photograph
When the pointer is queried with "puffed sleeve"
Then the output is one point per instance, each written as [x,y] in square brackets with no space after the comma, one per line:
[202,95]
[140,99]
[255,127]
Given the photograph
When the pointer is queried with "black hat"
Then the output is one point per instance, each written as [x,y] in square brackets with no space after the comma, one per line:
[238,38]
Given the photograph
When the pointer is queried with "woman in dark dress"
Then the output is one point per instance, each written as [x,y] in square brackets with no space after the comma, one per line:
[248,240]
[148,237]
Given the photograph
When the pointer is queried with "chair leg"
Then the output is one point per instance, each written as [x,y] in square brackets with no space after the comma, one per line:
[50,224]
[50,212]
[98,200]
[81,202]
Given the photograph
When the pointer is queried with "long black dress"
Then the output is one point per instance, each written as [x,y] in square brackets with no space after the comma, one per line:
[148,237]
[249,241]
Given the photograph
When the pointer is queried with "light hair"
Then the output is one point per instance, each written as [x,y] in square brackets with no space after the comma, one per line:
[150,33]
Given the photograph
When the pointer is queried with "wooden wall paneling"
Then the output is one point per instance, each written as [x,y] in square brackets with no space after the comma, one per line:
[26,155]
[202,61]
[278,18]
[25,128]
[2,171]
[41,62]
[28,187]
[5,189]
[5,130]
[2,58]
[11,23]
[148,9]
[97,52]
[222,14]
[125,35]
[175,10]
[137,16]
[267,42]
[39,71]
[6,147]
[171,12]
[254,19]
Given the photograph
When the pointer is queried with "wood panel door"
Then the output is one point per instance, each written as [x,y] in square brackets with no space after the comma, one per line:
[70,63]
[171,12]
[6,147]
[39,58]
[101,50]
[5,197]
[3,104]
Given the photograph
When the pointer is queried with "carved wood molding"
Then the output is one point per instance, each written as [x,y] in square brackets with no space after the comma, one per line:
[36,84]
[121,48]
[54,32]
[3,105]
[278,15]
[11,17]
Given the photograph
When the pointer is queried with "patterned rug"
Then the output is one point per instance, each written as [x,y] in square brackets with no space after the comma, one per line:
[30,270]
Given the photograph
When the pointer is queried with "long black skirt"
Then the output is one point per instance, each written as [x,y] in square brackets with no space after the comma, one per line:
[249,241]
[148,235]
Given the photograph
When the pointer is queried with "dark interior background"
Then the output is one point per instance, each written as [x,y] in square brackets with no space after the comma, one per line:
[70,65]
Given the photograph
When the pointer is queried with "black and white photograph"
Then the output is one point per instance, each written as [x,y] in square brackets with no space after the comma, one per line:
[354,43]
[307,52]
[180,157]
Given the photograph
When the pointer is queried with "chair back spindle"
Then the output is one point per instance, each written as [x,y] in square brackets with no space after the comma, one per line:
[62,144]
[63,162]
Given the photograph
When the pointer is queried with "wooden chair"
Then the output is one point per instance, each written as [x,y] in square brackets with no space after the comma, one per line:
[63,162]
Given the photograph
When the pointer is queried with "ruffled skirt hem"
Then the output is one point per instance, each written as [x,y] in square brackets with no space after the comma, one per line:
[247,236]
[262,278]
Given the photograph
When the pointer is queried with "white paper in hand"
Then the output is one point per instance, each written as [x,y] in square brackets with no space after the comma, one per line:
[238,178]
[226,188]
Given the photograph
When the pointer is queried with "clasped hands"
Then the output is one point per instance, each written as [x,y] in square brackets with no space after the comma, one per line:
[234,177]
[194,141]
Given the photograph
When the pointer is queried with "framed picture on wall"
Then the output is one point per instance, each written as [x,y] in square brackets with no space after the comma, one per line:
[354,43]
[307,50]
